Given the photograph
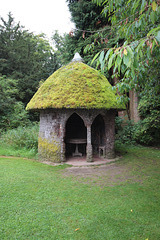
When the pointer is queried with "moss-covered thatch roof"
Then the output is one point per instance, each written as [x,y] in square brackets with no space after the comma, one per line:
[75,85]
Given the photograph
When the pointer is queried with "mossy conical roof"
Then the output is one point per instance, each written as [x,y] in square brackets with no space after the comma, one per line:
[76,85]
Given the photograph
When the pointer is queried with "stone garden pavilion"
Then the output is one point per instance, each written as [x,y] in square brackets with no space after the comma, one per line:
[77,112]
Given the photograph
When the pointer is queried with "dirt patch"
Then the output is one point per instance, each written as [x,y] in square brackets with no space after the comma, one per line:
[110,173]
[102,175]
[102,172]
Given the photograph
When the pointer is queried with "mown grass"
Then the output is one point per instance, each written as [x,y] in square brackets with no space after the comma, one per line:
[38,202]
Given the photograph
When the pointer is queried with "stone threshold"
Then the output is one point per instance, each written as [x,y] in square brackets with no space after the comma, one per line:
[81,161]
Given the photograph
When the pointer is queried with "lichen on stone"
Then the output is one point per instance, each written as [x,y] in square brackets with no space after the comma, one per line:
[76,85]
[49,150]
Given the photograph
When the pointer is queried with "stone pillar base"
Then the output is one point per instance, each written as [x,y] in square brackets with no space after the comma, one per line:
[89,157]
[63,158]
[89,145]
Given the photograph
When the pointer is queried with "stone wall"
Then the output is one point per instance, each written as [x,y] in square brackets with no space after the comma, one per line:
[49,136]
[110,133]
[51,144]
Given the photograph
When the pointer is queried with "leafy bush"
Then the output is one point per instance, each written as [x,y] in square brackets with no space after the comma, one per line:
[20,137]
[124,131]
[12,112]
[147,131]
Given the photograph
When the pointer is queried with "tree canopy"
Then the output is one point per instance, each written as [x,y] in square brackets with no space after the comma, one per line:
[25,60]
[87,18]
[24,56]
[137,27]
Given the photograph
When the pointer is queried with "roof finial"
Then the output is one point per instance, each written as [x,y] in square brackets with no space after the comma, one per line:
[77,58]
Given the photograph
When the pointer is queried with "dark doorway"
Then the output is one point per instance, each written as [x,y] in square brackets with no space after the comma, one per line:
[98,134]
[76,136]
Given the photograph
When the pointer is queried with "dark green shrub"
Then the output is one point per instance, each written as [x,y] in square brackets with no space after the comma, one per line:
[147,131]
[12,111]
[124,131]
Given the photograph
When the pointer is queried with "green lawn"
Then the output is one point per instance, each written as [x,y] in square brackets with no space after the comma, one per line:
[38,202]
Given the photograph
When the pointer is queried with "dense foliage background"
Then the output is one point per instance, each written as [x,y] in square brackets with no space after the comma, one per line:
[120,38]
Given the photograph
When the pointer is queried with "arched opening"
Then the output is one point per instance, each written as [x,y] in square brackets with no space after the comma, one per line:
[98,136]
[76,136]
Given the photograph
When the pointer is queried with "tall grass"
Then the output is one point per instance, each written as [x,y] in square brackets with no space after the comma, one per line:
[22,141]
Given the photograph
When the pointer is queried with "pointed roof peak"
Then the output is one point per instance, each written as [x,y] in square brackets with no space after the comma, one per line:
[77,58]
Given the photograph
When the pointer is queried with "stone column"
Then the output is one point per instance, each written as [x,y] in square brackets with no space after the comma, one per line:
[62,143]
[89,145]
